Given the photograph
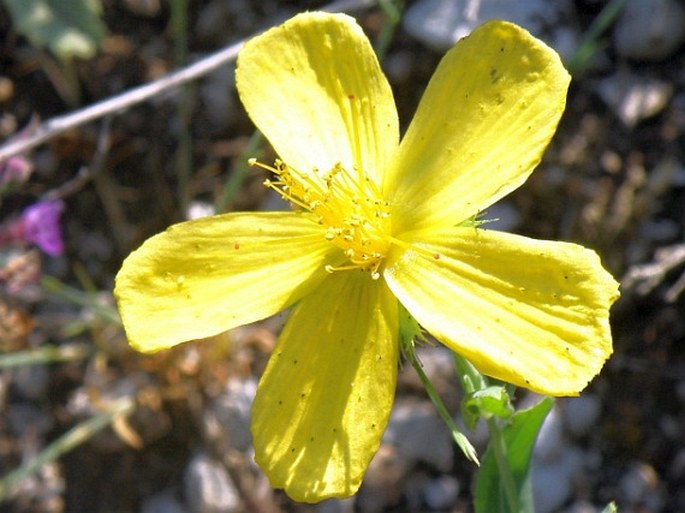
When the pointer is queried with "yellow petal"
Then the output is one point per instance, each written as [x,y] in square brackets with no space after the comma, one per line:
[206,276]
[529,312]
[483,123]
[314,88]
[324,400]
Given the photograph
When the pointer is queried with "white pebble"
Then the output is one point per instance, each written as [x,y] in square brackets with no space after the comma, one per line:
[208,487]
[634,97]
[440,23]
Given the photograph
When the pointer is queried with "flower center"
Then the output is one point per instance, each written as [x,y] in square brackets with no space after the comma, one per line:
[347,203]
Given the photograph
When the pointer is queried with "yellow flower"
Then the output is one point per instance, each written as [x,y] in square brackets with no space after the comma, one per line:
[378,223]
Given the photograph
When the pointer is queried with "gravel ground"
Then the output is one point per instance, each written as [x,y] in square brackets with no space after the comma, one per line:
[612,179]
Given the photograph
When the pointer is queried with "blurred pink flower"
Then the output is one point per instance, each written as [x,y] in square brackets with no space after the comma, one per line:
[14,170]
[39,224]
[17,169]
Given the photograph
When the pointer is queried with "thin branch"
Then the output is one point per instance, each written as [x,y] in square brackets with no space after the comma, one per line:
[127,99]
[121,102]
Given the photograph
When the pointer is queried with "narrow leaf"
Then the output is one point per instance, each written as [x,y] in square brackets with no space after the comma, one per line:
[519,436]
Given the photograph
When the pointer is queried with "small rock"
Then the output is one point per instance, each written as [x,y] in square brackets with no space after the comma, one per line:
[420,435]
[216,94]
[163,502]
[336,506]
[41,492]
[232,412]
[199,209]
[551,442]
[634,97]
[384,480]
[441,23]
[441,493]
[438,364]
[583,507]
[208,487]
[660,230]
[640,485]
[650,31]
[580,414]
[502,216]
[218,20]
[25,419]
[31,381]
[553,481]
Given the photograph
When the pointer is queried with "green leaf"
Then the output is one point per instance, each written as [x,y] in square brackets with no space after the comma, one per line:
[519,437]
[611,508]
[69,28]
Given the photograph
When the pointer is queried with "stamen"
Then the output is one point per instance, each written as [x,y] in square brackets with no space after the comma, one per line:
[347,202]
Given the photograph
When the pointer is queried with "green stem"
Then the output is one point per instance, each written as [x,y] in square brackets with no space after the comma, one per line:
[588,43]
[240,171]
[459,437]
[45,354]
[499,447]
[393,11]
[71,439]
[79,297]
[472,380]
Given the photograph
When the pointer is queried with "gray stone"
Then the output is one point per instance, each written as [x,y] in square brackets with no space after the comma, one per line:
[640,484]
[441,493]
[551,442]
[336,506]
[164,502]
[384,481]
[650,30]
[231,410]
[440,23]
[419,435]
[31,381]
[27,420]
[502,216]
[580,414]
[553,481]
[208,487]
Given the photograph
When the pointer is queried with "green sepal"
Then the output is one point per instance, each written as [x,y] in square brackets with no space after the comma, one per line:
[492,401]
